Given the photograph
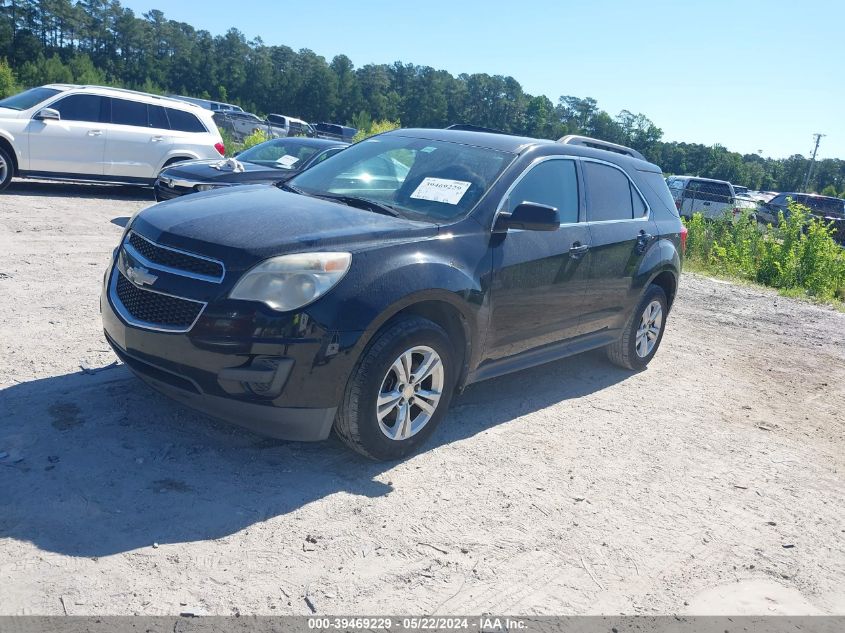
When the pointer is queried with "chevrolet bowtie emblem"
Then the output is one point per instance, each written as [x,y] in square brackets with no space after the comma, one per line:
[140,276]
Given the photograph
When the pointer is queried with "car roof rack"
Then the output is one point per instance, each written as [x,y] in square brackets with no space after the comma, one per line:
[586,141]
[466,127]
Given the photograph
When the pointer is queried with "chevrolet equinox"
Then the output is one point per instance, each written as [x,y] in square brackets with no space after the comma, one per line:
[360,295]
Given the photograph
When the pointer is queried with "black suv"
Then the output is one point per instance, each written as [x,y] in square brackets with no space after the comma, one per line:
[360,303]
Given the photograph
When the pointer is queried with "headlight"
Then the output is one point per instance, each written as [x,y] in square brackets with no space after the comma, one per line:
[208,187]
[292,281]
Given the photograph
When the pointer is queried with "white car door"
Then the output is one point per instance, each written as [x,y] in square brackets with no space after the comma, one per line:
[138,140]
[75,144]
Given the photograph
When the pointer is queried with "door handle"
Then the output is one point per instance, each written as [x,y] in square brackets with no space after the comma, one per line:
[705,204]
[642,240]
[578,250]
[157,139]
[95,132]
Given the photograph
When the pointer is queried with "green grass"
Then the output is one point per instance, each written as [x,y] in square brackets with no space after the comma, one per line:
[798,257]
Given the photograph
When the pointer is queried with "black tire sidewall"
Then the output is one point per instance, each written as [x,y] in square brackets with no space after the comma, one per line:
[10,169]
[653,292]
[371,373]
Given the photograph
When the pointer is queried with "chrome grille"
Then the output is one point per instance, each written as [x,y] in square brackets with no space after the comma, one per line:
[176,260]
[153,309]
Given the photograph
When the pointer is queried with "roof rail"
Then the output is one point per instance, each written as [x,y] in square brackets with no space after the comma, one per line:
[466,127]
[139,93]
[586,141]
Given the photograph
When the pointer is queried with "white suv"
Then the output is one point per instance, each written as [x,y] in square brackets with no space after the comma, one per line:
[92,133]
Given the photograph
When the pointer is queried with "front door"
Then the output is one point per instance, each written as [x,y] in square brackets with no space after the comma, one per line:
[539,277]
[621,232]
[74,145]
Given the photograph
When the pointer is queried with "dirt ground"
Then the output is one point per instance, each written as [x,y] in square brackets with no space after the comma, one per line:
[713,482]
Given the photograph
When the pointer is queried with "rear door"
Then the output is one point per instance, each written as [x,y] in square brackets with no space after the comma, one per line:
[139,139]
[539,277]
[73,145]
[620,233]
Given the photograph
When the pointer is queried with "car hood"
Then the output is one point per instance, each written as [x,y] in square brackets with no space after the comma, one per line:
[205,171]
[244,225]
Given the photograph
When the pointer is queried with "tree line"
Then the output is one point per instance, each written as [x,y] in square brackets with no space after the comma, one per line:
[102,42]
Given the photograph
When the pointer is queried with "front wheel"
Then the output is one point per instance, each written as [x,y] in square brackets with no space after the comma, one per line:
[6,169]
[399,391]
[642,333]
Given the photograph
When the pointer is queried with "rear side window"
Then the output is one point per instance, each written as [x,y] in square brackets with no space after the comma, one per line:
[125,112]
[184,121]
[710,191]
[157,116]
[553,183]
[80,108]
[667,196]
[609,193]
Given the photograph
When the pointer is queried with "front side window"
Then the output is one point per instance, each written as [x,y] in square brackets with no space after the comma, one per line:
[418,178]
[80,108]
[609,193]
[553,183]
[28,99]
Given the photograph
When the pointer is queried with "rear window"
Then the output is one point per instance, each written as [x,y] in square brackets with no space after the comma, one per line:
[828,206]
[184,121]
[709,191]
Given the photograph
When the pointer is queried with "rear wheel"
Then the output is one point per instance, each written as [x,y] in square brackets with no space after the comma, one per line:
[642,333]
[7,169]
[400,390]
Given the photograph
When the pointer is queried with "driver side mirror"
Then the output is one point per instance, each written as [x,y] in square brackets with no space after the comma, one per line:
[48,114]
[529,216]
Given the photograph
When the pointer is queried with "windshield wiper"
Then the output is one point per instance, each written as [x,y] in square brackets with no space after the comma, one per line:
[284,186]
[362,203]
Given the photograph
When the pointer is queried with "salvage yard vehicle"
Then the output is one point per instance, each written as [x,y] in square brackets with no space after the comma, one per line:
[92,133]
[825,208]
[330,303]
[711,198]
[290,126]
[241,124]
[335,131]
[270,162]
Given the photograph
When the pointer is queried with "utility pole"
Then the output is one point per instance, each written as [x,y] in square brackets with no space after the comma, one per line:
[818,138]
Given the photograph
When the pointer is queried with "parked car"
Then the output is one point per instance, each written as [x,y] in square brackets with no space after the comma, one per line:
[335,131]
[270,162]
[711,198]
[329,304]
[214,106]
[291,125]
[92,133]
[823,207]
[239,125]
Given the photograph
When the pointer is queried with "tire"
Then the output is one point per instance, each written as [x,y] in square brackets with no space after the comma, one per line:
[380,374]
[7,169]
[633,352]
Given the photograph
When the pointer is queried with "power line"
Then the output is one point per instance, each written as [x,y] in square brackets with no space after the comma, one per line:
[818,137]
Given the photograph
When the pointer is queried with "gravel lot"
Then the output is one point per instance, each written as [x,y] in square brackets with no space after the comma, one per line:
[713,482]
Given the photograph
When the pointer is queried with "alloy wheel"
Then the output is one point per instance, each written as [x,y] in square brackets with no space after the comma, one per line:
[410,393]
[649,329]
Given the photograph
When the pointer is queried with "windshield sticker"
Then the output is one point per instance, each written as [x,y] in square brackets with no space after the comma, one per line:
[428,150]
[287,160]
[441,190]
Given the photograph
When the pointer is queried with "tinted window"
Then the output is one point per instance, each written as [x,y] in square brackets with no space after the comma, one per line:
[79,108]
[25,100]
[553,183]
[781,199]
[158,118]
[710,191]
[637,202]
[125,112]
[184,121]
[608,193]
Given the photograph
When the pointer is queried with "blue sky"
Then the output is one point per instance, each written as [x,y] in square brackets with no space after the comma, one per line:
[748,74]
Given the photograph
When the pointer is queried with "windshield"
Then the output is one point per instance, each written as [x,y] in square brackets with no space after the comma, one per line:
[25,100]
[280,153]
[436,180]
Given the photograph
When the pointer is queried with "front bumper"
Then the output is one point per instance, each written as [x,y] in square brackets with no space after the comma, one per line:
[287,385]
